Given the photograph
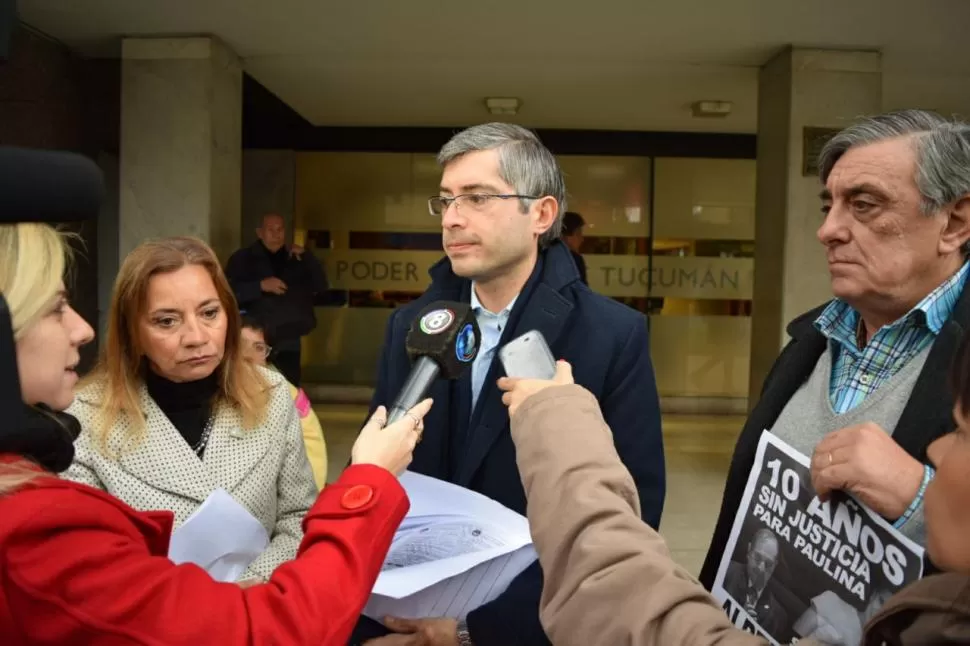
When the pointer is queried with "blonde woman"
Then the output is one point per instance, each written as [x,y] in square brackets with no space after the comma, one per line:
[81,567]
[173,411]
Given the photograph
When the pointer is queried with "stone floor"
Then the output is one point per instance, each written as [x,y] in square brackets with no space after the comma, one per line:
[698,450]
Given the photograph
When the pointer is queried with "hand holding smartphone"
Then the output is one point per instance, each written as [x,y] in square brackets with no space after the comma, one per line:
[528,357]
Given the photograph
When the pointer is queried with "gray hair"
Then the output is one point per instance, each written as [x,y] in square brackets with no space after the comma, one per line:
[524,163]
[942,151]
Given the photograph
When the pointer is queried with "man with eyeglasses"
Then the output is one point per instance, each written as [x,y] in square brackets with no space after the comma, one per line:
[501,204]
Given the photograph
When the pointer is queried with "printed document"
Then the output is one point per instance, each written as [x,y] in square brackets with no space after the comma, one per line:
[221,537]
[455,551]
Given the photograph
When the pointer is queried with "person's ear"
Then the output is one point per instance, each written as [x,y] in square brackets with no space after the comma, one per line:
[956,231]
[547,210]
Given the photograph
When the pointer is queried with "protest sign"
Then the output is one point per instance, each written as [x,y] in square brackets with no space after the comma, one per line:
[796,567]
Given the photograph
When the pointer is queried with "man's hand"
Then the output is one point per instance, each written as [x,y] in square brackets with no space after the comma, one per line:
[418,632]
[296,251]
[272,285]
[519,390]
[865,461]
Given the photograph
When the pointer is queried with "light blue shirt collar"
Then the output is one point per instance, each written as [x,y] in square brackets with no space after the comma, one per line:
[477,306]
[491,326]
[839,320]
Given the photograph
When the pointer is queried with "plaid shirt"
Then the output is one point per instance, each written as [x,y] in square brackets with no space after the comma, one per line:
[857,372]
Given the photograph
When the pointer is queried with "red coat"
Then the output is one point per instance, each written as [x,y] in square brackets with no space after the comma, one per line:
[78,567]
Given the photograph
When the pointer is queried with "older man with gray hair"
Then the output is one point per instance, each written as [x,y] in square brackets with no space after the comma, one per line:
[501,203]
[862,385]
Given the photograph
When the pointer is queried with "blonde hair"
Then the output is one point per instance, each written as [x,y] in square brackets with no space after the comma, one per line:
[18,474]
[119,371]
[33,261]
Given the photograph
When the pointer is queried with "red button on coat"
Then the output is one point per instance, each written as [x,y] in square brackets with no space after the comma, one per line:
[357,496]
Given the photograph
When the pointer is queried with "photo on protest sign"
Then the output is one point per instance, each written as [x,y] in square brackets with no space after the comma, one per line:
[796,567]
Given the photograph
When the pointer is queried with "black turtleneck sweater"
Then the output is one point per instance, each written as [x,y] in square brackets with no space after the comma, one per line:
[187,405]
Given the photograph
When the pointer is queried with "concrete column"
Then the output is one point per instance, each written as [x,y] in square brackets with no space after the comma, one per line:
[181,142]
[801,94]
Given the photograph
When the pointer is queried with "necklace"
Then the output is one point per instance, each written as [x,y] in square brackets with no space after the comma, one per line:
[199,446]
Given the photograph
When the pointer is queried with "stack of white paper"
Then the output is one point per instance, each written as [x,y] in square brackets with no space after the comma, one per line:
[455,551]
[221,537]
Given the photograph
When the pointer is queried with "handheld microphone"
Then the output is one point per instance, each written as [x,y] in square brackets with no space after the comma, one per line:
[443,341]
[11,400]
[38,186]
[48,186]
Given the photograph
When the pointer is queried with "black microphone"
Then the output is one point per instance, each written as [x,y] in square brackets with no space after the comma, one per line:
[442,341]
[48,186]
[11,399]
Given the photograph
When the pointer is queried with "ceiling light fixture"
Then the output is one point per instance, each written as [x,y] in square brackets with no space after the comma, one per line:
[500,105]
[711,108]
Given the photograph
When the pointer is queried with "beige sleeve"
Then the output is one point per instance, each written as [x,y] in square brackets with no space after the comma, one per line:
[608,575]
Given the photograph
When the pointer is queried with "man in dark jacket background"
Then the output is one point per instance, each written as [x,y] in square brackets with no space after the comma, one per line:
[572,234]
[500,203]
[278,283]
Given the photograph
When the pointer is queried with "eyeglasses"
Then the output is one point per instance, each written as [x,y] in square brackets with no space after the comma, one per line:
[262,349]
[475,202]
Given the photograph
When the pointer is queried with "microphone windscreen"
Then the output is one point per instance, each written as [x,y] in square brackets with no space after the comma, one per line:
[448,333]
[48,186]
[11,399]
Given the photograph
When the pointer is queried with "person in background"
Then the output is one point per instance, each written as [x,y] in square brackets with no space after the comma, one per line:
[500,203]
[257,349]
[173,411]
[82,567]
[858,387]
[279,283]
[609,578]
[572,234]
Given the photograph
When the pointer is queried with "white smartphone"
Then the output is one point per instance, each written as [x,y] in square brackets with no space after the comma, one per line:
[528,357]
